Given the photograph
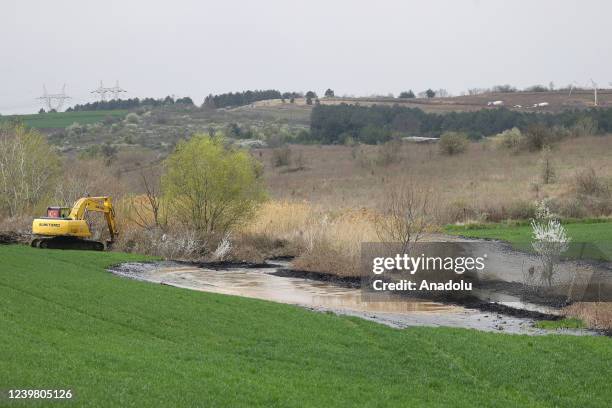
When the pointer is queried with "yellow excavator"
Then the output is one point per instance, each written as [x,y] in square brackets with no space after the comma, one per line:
[66,228]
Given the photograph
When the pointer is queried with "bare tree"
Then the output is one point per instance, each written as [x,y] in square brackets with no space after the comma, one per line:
[405,215]
[28,169]
[86,177]
[147,211]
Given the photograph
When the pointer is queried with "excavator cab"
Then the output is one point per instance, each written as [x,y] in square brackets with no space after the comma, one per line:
[58,212]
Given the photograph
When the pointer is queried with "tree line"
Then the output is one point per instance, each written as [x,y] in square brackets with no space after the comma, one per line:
[131,103]
[211,101]
[228,99]
[240,98]
[378,123]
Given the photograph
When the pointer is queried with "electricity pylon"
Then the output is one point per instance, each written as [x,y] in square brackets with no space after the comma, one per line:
[103,91]
[54,101]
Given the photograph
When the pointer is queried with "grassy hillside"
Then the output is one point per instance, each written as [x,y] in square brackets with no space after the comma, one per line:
[63,119]
[66,323]
[522,101]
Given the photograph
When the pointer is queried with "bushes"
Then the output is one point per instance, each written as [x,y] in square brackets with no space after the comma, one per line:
[540,136]
[511,139]
[452,143]
[132,118]
[389,153]
[537,136]
[588,183]
[281,156]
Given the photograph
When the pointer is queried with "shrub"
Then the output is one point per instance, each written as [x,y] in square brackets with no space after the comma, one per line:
[511,139]
[75,130]
[281,156]
[389,153]
[550,240]
[520,210]
[537,136]
[132,118]
[452,143]
[587,182]
[572,208]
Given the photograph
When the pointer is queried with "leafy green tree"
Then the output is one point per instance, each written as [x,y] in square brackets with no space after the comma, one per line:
[329,93]
[211,187]
[430,93]
[233,130]
[407,95]
[311,95]
[185,101]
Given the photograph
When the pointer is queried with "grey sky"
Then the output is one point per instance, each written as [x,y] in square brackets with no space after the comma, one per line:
[192,48]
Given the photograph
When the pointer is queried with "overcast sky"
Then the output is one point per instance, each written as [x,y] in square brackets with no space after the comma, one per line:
[193,48]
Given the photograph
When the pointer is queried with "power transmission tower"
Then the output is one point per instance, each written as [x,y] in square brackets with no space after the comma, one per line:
[116,90]
[103,91]
[54,101]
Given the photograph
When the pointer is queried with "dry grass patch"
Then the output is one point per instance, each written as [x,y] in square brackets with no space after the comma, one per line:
[325,241]
[594,314]
[482,184]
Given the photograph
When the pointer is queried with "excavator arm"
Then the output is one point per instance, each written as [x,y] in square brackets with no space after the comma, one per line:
[96,204]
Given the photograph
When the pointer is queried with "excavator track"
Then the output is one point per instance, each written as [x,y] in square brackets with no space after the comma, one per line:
[67,243]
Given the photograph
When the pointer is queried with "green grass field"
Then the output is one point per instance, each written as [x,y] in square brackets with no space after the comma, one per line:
[63,119]
[597,234]
[571,323]
[67,323]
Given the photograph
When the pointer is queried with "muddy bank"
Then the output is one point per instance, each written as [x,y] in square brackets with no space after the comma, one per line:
[346,281]
[471,302]
[270,281]
[13,237]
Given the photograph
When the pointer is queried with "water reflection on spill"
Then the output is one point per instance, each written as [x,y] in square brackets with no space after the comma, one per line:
[259,284]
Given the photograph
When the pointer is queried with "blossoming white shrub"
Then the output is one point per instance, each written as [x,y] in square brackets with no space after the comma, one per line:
[550,239]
